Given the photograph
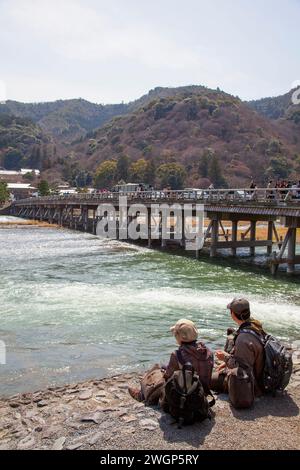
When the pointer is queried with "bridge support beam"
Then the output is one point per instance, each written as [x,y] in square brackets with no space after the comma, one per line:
[291,251]
[214,237]
[270,237]
[234,231]
[149,228]
[252,237]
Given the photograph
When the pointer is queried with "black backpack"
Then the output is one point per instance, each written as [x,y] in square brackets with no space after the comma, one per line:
[278,365]
[185,397]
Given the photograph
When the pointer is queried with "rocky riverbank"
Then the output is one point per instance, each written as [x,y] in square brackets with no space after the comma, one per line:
[100,414]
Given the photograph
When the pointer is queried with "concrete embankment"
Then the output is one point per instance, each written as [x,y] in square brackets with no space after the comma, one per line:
[100,414]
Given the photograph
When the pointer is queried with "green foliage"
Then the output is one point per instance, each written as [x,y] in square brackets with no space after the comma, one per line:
[279,167]
[75,175]
[43,188]
[205,162]
[274,147]
[171,174]
[150,173]
[4,192]
[163,108]
[138,170]
[123,167]
[29,176]
[106,174]
[13,159]
[215,173]
[35,160]
[295,117]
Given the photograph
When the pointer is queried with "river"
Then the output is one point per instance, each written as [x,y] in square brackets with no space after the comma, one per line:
[75,307]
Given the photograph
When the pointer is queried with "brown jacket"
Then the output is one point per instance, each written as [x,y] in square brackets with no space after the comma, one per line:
[248,350]
[201,359]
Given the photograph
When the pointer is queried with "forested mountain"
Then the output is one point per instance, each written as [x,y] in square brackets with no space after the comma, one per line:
[211,135]
[180,136]
[66,120]
[278,107]
[23,144]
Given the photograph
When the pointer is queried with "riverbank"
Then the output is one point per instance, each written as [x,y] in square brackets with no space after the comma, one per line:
[100,415]
[26,223]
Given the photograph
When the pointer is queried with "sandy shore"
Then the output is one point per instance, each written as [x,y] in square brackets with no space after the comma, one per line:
[100,414]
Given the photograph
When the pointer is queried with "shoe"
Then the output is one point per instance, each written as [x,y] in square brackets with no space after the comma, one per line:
[135,393]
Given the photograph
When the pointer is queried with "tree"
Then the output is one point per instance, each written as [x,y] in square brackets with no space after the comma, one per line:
[150,172]
[35,160]
[279,167]
[4,193]
[106,174]
[138,170]
[205,161]
[123,167]
[215,172]
[43,188]
[171,174]
[13,159]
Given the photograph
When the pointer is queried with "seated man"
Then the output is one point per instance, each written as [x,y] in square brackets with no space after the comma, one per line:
[189,350]
[247,351]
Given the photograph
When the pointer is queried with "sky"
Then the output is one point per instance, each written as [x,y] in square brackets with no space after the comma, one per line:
[117,50]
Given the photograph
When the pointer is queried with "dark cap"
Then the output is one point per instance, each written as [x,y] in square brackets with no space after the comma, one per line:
[240,307]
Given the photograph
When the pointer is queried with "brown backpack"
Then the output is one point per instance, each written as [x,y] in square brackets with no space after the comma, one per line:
[153,384]
[241,386]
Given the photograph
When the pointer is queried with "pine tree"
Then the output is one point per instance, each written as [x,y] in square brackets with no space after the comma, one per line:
[215,172]
[123,167]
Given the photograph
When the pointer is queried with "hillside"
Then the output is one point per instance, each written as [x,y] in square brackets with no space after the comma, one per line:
[207,132]
[70,120]
[65,120]
[211,137]
[23,144]
[277,107]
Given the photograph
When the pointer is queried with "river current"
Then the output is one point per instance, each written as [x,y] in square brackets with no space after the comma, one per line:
[75,307]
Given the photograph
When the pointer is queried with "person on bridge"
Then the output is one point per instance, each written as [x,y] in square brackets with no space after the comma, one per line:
[243,351]
[189,350]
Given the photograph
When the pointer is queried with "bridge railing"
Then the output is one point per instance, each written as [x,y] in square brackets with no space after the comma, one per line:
[270,196]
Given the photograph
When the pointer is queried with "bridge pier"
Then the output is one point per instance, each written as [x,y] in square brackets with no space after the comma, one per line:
[270,237]
[291,251]
[252,237]
[234,231]
[214,237]
[149,220]
[182,242]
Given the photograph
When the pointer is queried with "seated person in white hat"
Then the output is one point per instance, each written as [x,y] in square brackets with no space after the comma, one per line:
[190,350]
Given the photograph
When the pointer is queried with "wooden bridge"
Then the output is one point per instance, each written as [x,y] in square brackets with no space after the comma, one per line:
[79,212]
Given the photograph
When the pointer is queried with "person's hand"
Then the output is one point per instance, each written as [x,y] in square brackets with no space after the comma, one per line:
[221,367]
[221,355]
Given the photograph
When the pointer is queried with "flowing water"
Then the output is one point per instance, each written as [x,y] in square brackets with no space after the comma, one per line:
[74,306]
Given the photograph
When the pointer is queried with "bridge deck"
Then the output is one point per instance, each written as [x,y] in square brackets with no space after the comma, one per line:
[235,205]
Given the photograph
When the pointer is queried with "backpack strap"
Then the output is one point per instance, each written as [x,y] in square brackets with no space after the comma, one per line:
[180,359]
[253,333]
[212,402]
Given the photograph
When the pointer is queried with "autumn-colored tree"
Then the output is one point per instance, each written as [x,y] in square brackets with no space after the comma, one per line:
[106,174]
[138,170]
[171,174]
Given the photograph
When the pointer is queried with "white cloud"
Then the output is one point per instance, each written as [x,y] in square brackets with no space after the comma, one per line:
[79,32]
